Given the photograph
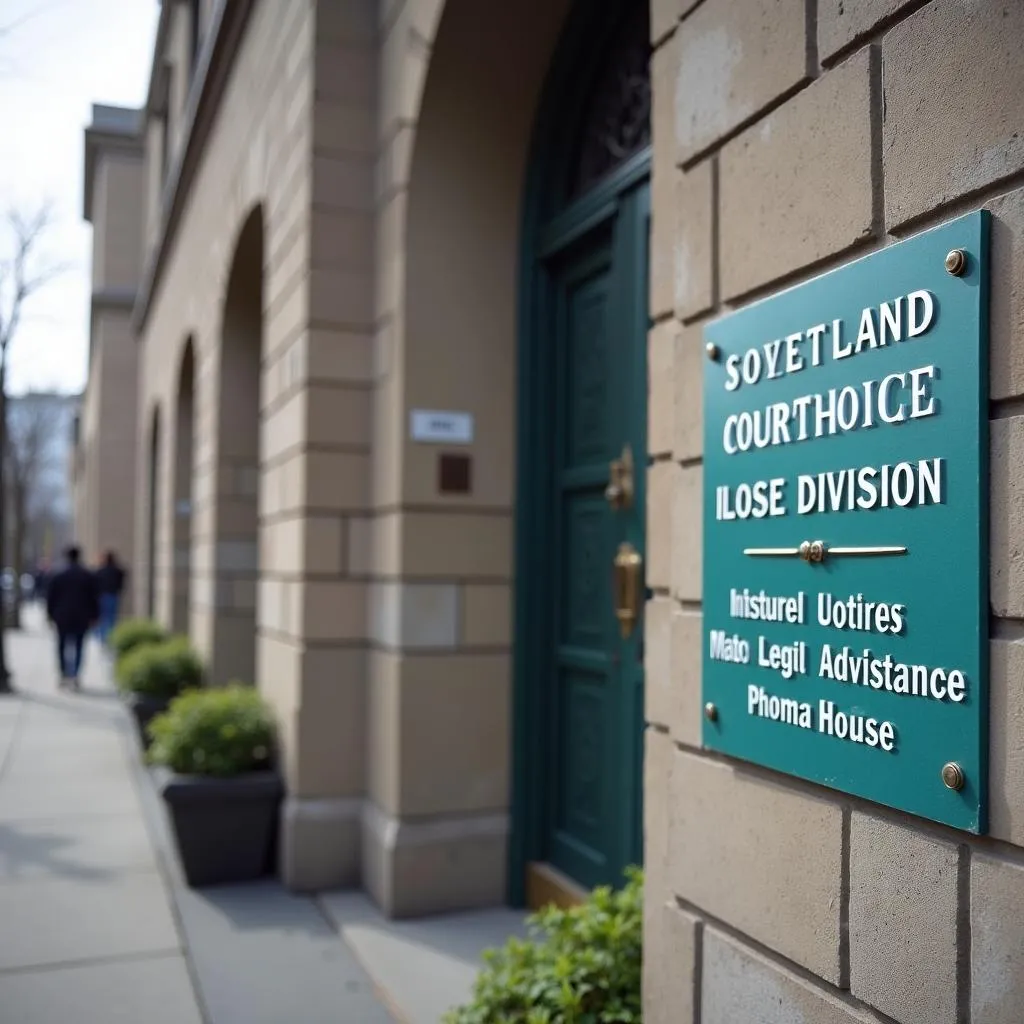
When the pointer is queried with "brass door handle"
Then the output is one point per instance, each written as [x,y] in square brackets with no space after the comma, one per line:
[619,492]
[628,581]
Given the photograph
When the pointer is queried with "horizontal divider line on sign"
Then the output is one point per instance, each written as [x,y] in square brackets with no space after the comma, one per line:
[793,552]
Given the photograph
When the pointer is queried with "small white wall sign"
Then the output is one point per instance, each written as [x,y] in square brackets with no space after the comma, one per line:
[430,425]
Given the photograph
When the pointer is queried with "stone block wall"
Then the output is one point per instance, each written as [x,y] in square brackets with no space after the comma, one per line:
[316,463]
[255,159]
[105,485]
[282,195]
[790,137]
[113,480]
[459,82]
[433,835]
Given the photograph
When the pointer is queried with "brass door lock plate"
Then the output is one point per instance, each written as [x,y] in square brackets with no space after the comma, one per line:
[628,580]
[620,490]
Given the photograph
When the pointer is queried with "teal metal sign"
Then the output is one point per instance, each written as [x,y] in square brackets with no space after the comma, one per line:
[845,528]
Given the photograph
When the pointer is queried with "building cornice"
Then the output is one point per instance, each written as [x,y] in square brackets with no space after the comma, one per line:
[123,298]
[213,69]
[102,140]
[157,67]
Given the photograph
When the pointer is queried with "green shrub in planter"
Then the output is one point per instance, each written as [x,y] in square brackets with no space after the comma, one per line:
[161,669]
[213,749]
[580,966]
[131,633]
[220,732]
[151,674]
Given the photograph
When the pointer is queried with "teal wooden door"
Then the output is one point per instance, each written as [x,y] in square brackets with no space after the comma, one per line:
[582,401]
[596,331]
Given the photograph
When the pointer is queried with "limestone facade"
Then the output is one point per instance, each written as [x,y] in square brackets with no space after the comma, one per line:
[789,139]
[103,470]
[332,219]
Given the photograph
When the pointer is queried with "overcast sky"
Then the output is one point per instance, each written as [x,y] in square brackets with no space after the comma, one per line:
[57,59]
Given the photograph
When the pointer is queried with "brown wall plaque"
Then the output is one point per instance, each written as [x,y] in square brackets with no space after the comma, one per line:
[454,473]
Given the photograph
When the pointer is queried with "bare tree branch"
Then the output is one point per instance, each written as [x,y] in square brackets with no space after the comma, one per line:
[24,271]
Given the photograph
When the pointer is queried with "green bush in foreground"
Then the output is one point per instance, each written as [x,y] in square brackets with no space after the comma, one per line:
[219,732]
[580,966]
[163,669]
[132,633]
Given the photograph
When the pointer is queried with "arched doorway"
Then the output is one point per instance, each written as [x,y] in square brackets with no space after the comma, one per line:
[152,513]
[184,424]
[581,465]
[236,524]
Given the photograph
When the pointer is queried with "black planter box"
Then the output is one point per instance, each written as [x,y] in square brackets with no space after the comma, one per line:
[144,709]
[225,829]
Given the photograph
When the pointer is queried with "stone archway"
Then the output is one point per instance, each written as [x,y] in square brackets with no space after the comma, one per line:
[152,511]
[436,834]
[229,614]
[181,511]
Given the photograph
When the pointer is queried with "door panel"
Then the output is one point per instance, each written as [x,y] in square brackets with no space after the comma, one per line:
[581,702]
[597,337]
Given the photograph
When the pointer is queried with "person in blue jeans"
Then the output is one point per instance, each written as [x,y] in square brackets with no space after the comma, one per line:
[110,577]
[72,605]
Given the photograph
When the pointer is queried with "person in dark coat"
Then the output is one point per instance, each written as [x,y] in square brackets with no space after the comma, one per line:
[72,605]
[110,577]
[41,581]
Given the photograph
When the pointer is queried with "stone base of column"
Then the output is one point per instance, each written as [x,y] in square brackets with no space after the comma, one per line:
[320,844]
[412,869]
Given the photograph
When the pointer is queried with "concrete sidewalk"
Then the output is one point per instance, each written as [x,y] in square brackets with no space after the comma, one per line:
[97,924]
[87,930]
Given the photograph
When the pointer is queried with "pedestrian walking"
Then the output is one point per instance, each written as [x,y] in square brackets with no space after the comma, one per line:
[72,605]
[40,582]
[110,577]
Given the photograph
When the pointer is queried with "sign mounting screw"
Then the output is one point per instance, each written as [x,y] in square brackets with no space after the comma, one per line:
[956,262]
[812,550]
[712,350]
[710,712]
[953,776]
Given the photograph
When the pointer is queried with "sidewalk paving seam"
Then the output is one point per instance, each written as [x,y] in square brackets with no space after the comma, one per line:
[59,818]
[381,993]
[122,871]
[92,961]
[142,785]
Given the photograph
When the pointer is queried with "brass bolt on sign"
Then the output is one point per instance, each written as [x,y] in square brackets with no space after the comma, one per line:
[953,776]
[812,551]
[710,712]
[956,262]
[712,350]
